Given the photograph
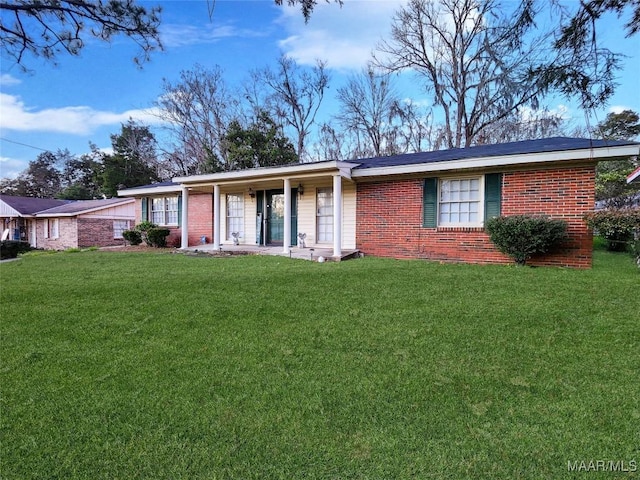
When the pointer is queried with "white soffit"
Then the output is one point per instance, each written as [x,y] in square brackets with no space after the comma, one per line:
[341,168]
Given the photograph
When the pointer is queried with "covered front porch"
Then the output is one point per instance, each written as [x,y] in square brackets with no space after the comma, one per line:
[299,210]
[310,253]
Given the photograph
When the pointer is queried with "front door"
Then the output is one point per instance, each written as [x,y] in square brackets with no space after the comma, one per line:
[270,219]
[275,217]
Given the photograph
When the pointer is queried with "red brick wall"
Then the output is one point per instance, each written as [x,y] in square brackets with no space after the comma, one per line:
[200,217]
[200,214]
[389,218]
[96,232]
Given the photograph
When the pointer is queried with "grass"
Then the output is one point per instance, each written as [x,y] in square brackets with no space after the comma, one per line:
[129,365]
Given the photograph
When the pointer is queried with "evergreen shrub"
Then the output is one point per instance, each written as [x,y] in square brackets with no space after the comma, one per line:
[525,236]
[616,226]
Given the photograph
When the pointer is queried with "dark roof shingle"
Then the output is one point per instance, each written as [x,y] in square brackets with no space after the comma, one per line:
[501,149]
[31,205]
[81,206]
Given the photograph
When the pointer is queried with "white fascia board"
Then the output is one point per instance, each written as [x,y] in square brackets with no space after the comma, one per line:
[501,161]
[634,175]
[141,192]
[267,172]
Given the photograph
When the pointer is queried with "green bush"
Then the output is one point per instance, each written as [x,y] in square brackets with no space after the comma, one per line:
[525,236]
[12,248]
[134,237]
[157,237]
[617,226]
[143,228]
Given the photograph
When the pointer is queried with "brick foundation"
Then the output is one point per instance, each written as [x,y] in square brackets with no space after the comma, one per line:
[389,218]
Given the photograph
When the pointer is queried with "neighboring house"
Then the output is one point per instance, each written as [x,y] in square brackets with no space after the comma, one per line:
[429,205]
[62,224]
[634,176]
[18,216]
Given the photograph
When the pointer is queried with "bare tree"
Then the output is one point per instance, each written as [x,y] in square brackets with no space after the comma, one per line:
[417,127]
[198,109]
[526,124]
[330,144]
[295,96]
[48,27]
[370,106]
[471,55]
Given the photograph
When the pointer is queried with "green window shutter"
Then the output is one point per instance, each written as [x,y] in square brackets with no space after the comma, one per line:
[430,203]
[179,210]
[492,195]
[145,209]
[294,217]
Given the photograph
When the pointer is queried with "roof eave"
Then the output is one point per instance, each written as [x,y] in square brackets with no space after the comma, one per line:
[133,192]
[343,168]
[44,213]
[633,176]
[502,161]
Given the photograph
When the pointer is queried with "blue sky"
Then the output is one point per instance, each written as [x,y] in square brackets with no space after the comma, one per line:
[85,99]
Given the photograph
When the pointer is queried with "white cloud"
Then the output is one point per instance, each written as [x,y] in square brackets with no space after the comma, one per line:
[180,35]
[343,36]
[7,80]
[11,167]
[74,120]
[618,109]
[176,35]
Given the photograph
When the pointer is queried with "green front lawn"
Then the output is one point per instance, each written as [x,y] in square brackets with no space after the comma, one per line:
[157,366]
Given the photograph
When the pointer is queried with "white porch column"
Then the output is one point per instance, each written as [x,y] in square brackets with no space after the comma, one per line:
[184,221]
[216,217]
[337,216]
[286,241]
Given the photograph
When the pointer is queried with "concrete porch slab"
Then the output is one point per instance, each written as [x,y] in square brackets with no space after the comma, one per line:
[308,253]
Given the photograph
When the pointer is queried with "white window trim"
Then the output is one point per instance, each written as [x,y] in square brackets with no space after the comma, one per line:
[324,241]
[54,226]
[164,211]
[115,235]
[480,222]
[227,217]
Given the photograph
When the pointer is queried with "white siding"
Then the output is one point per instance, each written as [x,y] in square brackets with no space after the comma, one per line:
[118,212]
[307,212]
[348,215]
[250,209]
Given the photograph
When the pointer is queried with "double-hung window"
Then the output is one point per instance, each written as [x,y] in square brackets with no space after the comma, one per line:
[51,228]
[461,201]
[235,215]
[164,210]
[324,215]
[120,226]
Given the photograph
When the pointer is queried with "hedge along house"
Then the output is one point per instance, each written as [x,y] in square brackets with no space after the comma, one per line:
[429,205]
